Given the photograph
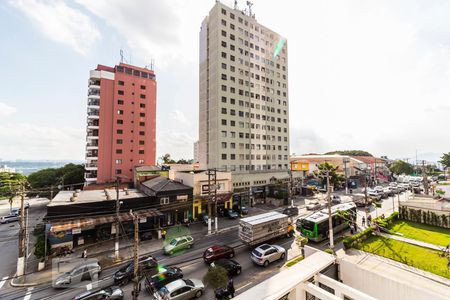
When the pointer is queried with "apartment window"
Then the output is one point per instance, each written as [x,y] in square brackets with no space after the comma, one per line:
[232,101]
[224,77]
[164,200]
[224,99]
[118,151]
[224,145]
[120,92]
[224,66]
[141,123]
[141,161]
[233,145]
[142,114]
[120,102]
[224,23]
[142,96]
[224,122]
[224,110]
[141,142]
[224,88]
[224,12]
[118,171]
[142,87]
[224,44]
[120,112]
[224,156]
[224,134]
[141,152]
[224,33]
[231,26]
[142,105]
[233,156]
[224,55]
[119,131]
[141,132]
[120,122]
[118,161]
[232,58]
[120,82]
[119,141]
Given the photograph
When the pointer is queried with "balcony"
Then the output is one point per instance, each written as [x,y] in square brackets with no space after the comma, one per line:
[92,124]
[92,145]
[94,103]
[91,155]
[90,176]
[93,113]
[94,84]
[91,166]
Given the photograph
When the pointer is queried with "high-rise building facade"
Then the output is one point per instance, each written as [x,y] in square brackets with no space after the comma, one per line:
[121,122]
[244,103]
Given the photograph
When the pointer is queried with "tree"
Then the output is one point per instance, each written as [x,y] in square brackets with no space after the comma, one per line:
[350,152]
[216,277]
[167,159]
[335,179]
[39,247]
[401,167]
[10,183]
[445,160]
[70,174]
[185,161]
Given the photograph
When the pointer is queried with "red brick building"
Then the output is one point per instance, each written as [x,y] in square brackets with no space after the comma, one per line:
[121,122]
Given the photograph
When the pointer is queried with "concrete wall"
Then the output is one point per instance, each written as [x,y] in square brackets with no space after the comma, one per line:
[391,283]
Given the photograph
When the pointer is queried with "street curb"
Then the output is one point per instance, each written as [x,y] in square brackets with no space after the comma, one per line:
[222,230]
[11,283]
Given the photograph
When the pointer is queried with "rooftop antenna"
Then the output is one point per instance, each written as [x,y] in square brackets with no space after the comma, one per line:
[249,4]
[122,57]
[235,5]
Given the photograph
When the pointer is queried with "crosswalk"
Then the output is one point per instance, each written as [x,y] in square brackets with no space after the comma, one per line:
[2,282]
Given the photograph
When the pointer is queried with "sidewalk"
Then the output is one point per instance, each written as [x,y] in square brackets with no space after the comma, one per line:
[410,241]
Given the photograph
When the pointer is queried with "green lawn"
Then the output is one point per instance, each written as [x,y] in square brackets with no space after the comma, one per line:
[422,232]
[421,258]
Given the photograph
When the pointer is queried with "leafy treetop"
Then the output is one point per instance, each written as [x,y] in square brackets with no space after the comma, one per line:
[350,152]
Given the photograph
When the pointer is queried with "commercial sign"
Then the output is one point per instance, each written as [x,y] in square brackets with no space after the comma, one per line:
[76,230]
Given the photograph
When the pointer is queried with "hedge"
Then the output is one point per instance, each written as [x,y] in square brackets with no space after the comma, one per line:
[350,241]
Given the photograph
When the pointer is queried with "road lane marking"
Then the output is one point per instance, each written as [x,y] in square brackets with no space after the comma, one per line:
[3,281]
[245,285]
[28,294]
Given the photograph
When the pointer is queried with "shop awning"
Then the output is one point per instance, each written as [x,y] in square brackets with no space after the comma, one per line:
[220,198]
[99,220]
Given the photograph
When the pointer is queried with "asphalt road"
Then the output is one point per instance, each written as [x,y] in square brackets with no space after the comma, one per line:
[9,234]
[190,262]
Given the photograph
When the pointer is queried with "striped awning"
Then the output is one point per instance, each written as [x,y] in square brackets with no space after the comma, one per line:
[99,220]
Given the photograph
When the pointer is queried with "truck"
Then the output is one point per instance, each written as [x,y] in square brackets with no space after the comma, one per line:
[260,228]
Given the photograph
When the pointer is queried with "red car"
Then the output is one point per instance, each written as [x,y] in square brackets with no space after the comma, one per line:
[215,252]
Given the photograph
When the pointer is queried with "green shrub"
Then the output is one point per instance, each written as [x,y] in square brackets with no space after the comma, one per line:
[350,241]
[216,277]
[329,251]
[39,247]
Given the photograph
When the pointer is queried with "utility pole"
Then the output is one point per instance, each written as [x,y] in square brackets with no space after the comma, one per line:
[330,218]
[290,187]
[136,288]
[209,201]
[365,193]
[425,178]
[116,245]
[212,199]
[346,161]
[22,234]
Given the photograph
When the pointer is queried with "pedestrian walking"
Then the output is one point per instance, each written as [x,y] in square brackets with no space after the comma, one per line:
[355,227]
[163,234]
[84,254]
[230,287]
[363,221]
[369,220]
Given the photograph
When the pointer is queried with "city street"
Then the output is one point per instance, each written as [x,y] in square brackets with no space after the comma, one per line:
[9,234]
[190,261]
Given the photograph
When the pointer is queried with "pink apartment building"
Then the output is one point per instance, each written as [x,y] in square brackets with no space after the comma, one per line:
[121,122]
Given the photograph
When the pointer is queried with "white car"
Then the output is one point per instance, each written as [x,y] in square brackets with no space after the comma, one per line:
[265,254]
[182,289]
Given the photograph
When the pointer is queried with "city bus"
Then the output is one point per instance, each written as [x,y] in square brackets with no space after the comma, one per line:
[315,226]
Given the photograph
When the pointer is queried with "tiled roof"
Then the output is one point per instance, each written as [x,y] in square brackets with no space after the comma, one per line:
[162,184]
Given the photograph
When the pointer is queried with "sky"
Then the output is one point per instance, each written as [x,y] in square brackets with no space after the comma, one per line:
[369,75]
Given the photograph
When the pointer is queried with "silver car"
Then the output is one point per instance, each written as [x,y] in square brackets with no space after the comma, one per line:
[89,270]
[9,218]
[265,254]
[178,243]
[182,289]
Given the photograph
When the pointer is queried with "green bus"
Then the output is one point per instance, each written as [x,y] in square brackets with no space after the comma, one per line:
[315,226]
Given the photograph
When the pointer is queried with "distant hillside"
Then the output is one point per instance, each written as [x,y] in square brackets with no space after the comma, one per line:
[350,152]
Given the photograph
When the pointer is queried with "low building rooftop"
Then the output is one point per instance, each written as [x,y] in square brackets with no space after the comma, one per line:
[427,202]
[64,197]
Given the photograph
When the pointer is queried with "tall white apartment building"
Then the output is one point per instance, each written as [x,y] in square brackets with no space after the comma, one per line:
[244,102]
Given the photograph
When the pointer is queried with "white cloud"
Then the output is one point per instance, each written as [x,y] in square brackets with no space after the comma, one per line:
[61,23]
[6,110]
[31,141]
